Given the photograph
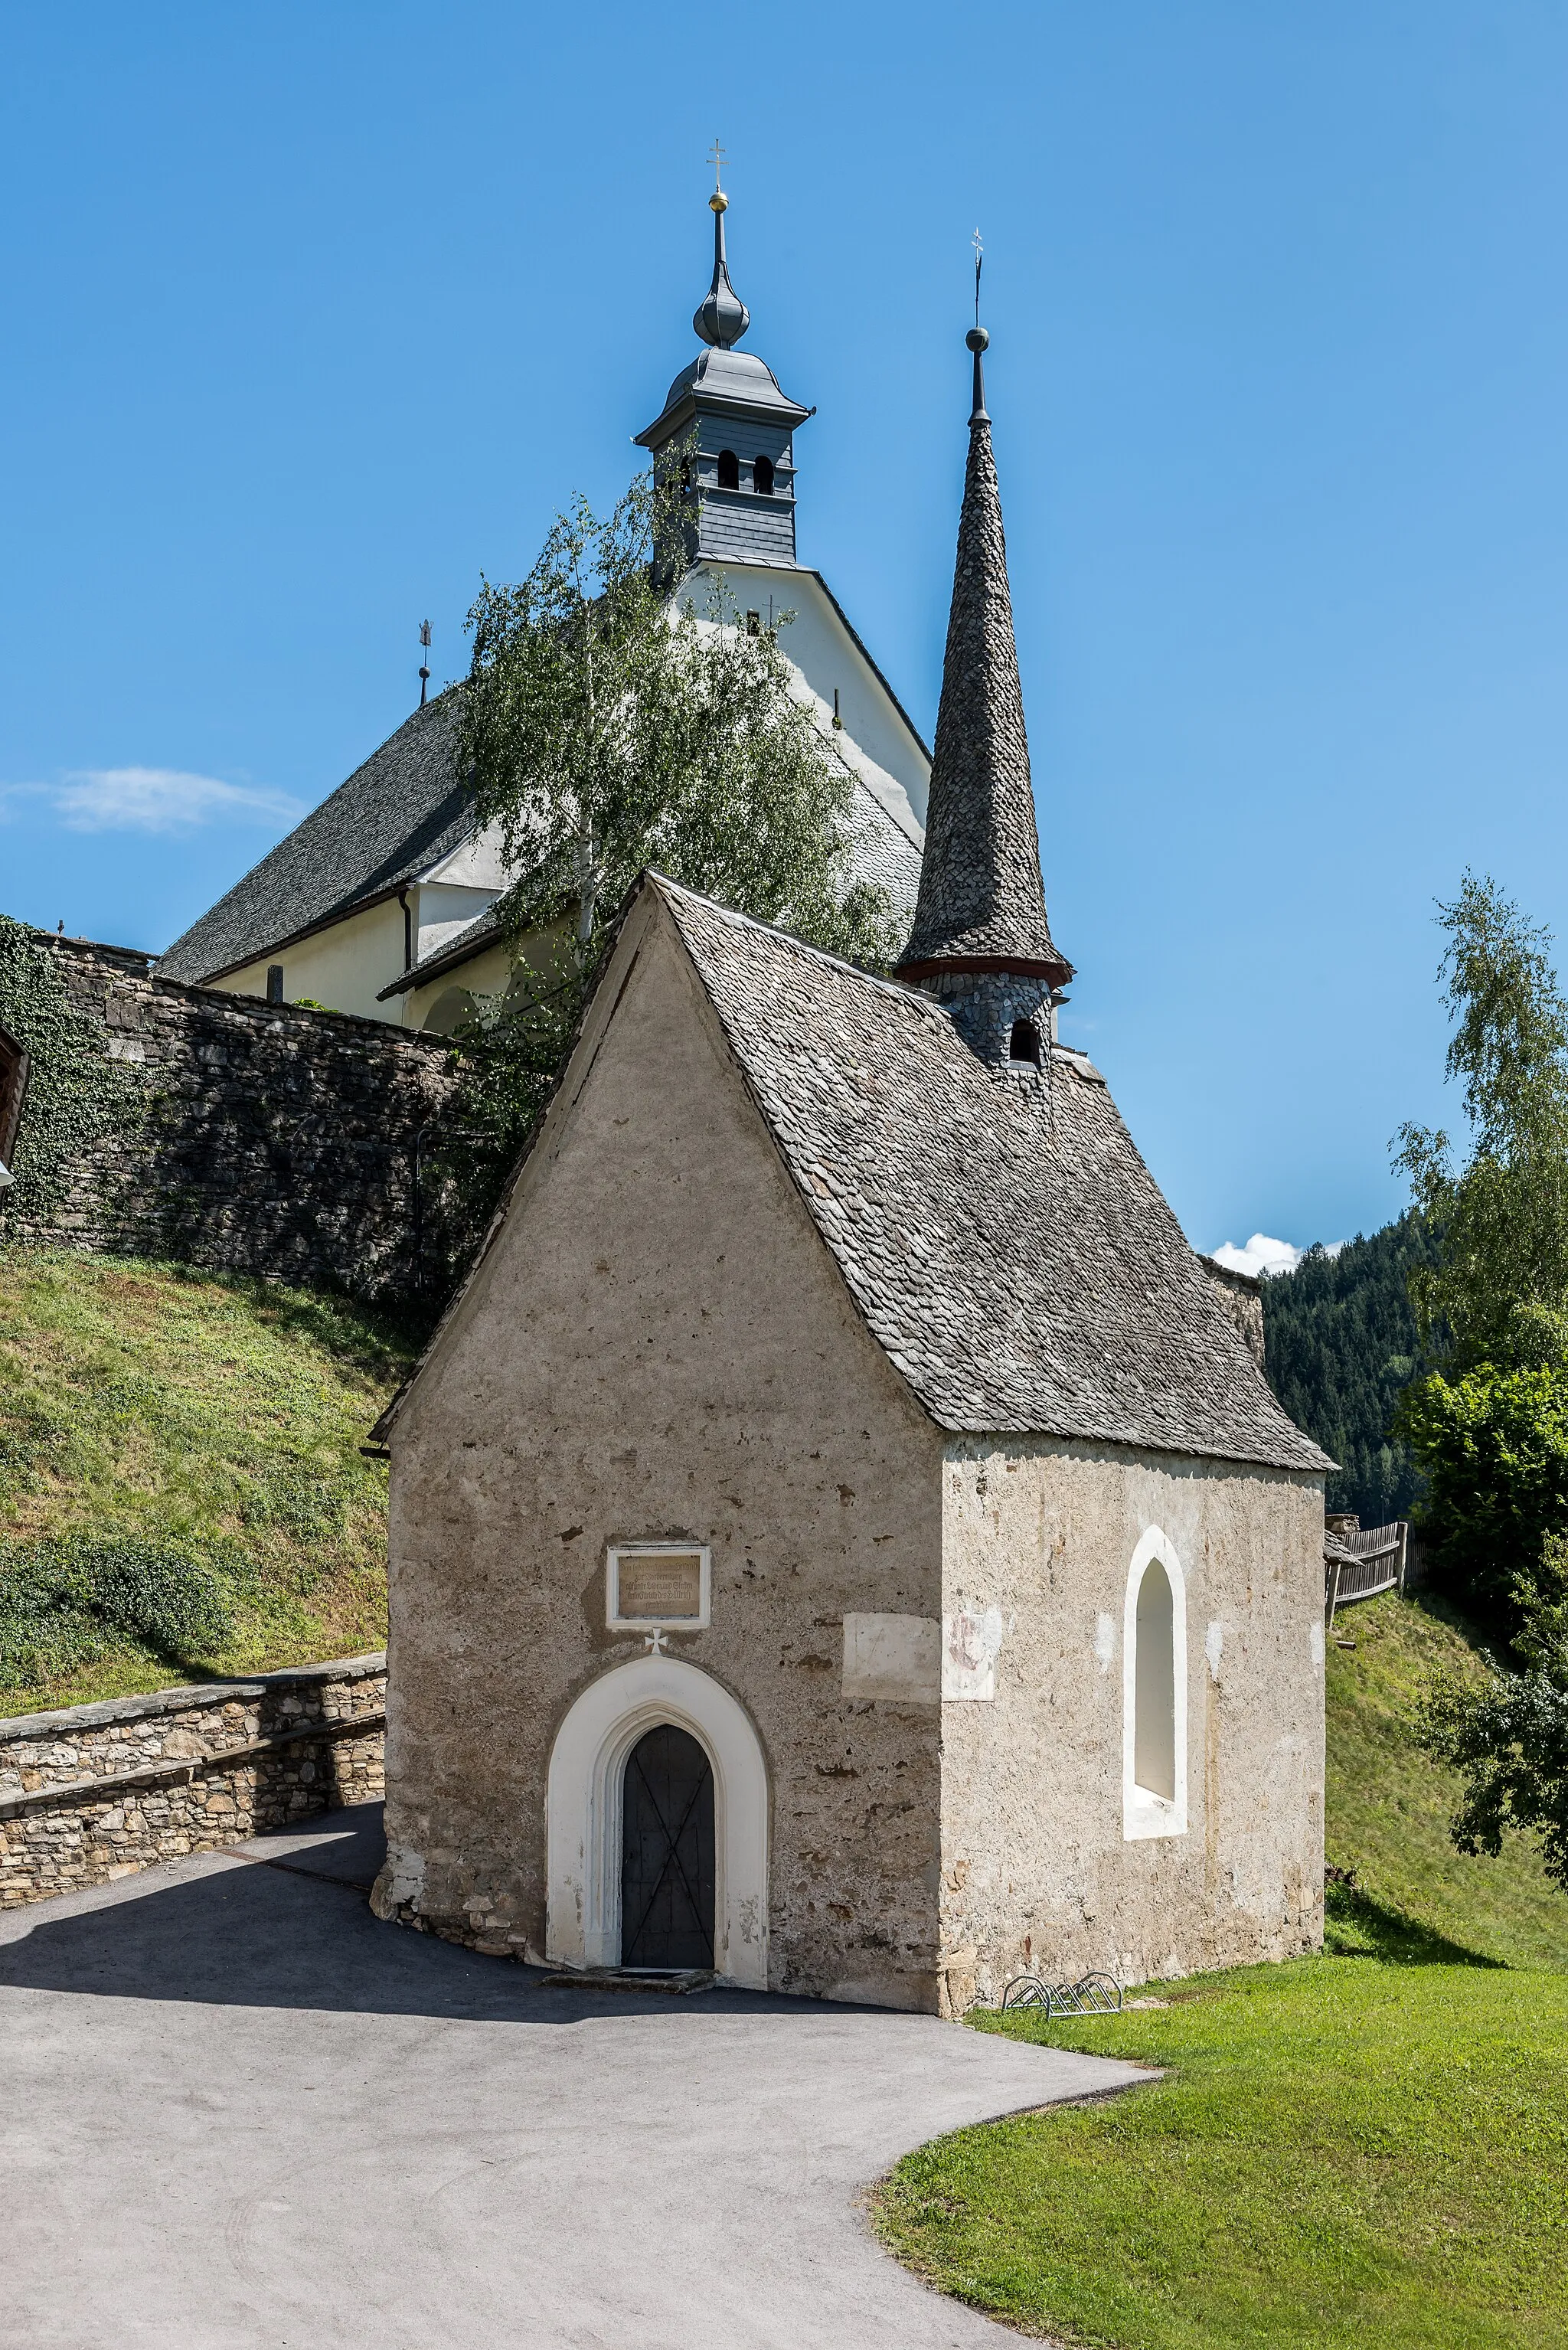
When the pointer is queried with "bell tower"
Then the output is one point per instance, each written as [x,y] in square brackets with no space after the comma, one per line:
[980,941]
[731,430]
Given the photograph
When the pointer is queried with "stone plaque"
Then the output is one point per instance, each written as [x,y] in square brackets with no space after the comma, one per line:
[657,1587]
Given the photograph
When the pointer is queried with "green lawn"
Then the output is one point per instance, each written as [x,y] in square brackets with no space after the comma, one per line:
[1346,2151]
[1368,2148]
[214,1425]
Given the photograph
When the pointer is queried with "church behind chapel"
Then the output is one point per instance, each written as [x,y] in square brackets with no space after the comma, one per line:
[837,1538]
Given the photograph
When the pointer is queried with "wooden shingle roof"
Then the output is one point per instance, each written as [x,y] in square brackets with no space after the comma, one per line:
[1001,1237]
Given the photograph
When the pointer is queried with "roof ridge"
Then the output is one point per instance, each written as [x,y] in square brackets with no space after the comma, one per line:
[915,997]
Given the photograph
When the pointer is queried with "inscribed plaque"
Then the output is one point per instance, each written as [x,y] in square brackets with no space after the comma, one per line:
[658,1586]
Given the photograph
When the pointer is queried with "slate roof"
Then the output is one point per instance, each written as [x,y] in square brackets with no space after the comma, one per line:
[1006,1244]
[399,812]
[880,852]
[981,898]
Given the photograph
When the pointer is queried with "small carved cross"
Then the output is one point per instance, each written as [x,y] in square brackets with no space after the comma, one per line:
[716,157]
[658,1642]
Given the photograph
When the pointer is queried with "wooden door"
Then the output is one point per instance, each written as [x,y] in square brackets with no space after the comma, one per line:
[666,1853]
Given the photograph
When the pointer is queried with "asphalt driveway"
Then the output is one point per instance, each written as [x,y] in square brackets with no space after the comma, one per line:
[238,2114]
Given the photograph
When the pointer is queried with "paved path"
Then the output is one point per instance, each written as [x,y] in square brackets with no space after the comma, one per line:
[237,2114]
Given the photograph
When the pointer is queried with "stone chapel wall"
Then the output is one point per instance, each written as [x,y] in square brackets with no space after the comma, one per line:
[658,1346]
[1037,1871]
[268,1139]
[1240,1298]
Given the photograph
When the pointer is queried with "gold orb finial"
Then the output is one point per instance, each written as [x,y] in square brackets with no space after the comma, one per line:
[718,201]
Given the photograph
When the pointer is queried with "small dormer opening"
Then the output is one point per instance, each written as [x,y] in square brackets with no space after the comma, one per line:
[763,476]
[1025,1042]
[729,470]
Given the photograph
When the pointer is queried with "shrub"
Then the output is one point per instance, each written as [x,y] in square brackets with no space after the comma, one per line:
[1494,1447]
[69,1600]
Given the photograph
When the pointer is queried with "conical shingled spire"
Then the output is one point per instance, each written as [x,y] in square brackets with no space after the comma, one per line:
[981,905]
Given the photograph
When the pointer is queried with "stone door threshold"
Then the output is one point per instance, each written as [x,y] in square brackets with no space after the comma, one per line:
[673,1983]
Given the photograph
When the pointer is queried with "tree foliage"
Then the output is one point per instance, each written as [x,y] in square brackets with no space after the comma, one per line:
[1509,1738]
[1341,1345]
[1497,1291]
[1494,1447]
[608,729]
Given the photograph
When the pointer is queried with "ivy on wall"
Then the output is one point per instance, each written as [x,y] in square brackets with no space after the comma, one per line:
[77,1097]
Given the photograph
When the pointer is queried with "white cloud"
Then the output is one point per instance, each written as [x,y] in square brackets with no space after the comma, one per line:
[159,799]
[1263,1255]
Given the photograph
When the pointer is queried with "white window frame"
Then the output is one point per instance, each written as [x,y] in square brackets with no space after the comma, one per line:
[619,1622]
[1145,1814]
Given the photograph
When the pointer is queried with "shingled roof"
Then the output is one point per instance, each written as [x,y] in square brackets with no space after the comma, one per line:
[1001,1237]
[399,812]
[981,901]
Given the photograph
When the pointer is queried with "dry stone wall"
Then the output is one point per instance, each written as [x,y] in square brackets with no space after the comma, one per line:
[276,1141]
[91,1792]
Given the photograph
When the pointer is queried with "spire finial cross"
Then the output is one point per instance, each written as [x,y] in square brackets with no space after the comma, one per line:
[978,257]
[717,157]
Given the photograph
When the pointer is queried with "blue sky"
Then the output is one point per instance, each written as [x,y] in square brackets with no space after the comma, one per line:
[313,314]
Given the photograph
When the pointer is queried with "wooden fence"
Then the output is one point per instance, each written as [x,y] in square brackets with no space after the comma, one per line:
[1359,1566]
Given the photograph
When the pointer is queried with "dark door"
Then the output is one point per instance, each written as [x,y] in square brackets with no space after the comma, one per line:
[666,1853]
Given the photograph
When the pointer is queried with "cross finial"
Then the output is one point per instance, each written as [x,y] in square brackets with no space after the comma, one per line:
[424,666]
[978,257]
[717,158]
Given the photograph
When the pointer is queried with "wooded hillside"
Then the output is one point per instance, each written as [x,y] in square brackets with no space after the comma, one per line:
[1340,1339]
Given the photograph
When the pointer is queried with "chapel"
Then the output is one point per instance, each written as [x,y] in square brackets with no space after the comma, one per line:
[838,1540]
[381,902]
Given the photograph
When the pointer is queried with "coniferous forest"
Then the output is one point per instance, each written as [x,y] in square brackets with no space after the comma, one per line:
[1340,1339]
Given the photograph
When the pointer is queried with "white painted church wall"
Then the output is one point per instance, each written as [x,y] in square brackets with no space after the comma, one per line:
[342,967]
[820,647]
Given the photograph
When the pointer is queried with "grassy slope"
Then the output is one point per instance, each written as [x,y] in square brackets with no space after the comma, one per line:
[1367,2148]
[223,1417]
[1389,1806]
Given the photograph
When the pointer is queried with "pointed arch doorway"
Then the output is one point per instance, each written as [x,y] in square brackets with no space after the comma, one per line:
[592,1790]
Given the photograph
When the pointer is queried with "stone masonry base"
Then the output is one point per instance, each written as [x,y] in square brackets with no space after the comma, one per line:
[92,1792]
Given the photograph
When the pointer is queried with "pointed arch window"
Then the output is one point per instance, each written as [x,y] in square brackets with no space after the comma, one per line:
[729,470]
[1153,1692]
[763,476]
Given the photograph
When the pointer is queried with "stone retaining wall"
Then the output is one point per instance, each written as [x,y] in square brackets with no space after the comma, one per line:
[277,1141]
[96,1791]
